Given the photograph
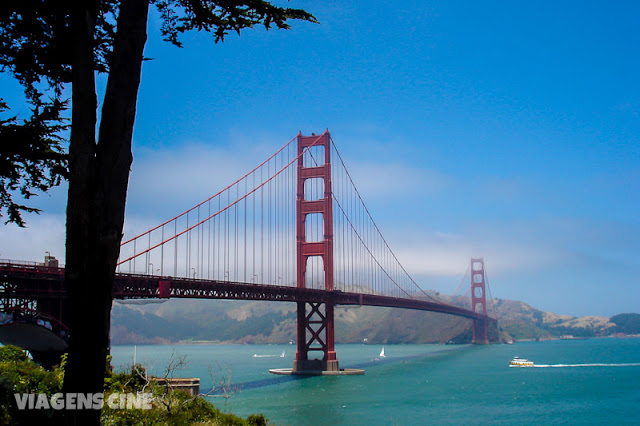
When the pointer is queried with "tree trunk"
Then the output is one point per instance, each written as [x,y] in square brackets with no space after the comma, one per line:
[99,175]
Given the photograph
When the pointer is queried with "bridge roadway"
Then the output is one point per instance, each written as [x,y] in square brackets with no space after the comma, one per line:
[33,281]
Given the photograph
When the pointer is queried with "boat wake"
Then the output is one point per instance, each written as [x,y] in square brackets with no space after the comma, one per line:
[269,356]
[632,364]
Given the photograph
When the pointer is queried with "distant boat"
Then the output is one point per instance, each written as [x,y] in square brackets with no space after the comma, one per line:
[382,355]
[520,362]
[269,356]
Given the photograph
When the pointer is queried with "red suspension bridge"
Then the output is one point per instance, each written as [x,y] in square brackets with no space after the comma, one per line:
[241,243]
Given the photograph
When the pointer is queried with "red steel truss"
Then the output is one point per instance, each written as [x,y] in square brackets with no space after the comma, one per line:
[35,283]
[39,290]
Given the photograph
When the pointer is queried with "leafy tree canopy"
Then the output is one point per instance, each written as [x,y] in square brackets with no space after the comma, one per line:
[32,157]
[36,46]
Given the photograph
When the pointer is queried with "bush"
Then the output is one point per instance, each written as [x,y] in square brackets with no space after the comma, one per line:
[170,407]
[19,374]
[186,410]
[12,353]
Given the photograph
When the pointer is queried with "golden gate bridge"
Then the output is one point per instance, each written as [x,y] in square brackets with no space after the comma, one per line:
[293,229]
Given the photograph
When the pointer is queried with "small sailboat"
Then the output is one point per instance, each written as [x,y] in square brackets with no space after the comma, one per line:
[282,354]
[382,355]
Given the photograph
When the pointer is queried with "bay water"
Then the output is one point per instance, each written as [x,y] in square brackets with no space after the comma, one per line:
[594,381]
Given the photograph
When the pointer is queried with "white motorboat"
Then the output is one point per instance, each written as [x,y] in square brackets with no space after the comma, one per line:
[520,362]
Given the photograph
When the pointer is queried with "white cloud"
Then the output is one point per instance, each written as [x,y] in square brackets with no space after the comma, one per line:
[391,180]
[436,254]
[45,232]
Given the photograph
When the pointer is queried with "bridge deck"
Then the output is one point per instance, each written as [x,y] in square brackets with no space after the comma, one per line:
[31,281]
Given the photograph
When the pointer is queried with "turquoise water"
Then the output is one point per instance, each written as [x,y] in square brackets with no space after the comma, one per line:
[424,384]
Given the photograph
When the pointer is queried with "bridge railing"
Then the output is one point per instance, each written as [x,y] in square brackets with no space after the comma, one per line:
[16,265]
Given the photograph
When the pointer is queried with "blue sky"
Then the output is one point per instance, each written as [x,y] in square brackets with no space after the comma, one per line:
[509,130]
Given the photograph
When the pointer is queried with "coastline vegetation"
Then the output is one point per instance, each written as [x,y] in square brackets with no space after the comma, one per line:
[19,374]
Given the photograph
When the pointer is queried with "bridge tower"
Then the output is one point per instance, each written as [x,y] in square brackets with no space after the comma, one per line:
[479,302]
[315,320]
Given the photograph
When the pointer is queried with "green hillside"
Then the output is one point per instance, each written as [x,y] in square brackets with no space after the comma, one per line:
[627,323]
[269,322]
[232,321]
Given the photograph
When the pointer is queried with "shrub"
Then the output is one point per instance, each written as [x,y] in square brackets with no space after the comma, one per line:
[19,374]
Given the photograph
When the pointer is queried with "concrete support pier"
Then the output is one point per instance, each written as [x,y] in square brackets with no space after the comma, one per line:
[317,372]
[316,364]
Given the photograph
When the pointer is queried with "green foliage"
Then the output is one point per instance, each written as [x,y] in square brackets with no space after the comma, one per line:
[627,323]
[257,420]
[19,374]
[32,158]
[35,40]
[36,48]
[169,407]
[191,411]
[10,353]
[35,36]
[131,380]
[220,17]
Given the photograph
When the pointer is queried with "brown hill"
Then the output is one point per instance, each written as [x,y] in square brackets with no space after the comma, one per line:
[267,322]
